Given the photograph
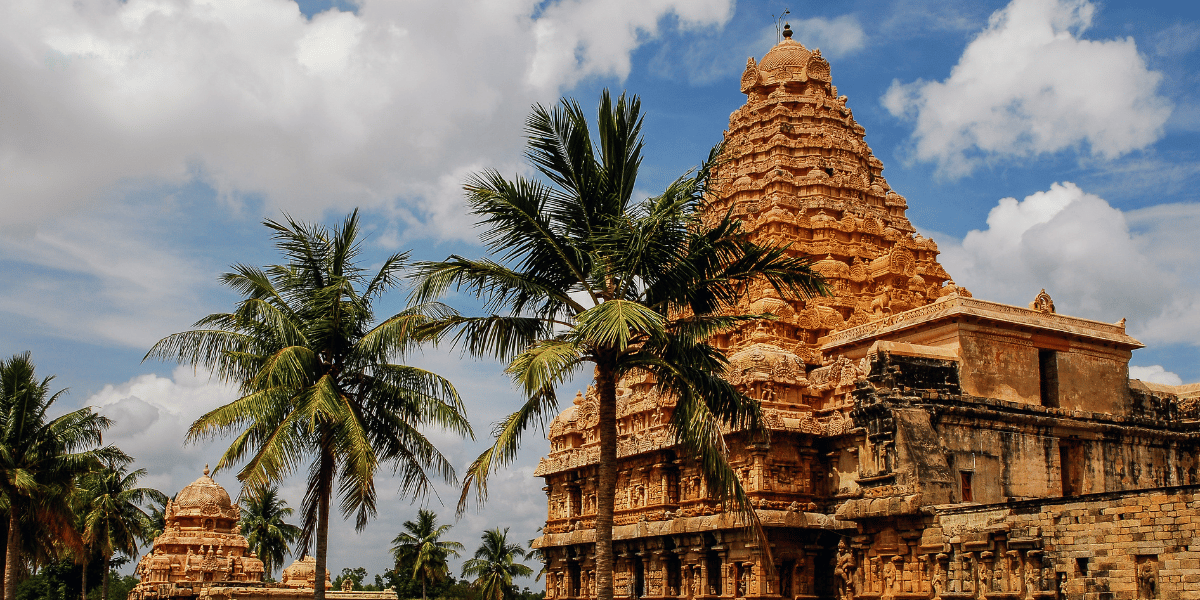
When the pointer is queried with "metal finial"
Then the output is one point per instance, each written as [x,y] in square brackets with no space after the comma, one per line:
[787,31]
[206,469]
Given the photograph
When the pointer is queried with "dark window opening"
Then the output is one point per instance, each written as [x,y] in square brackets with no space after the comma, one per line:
[785,578]
[1048,376]
[574,579]
[966,493]
[1082,565]
[639,579]
[674,576]
[714,574]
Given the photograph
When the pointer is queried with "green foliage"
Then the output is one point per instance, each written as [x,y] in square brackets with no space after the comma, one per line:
[584,274]
[319,382]
[41,461]
[420,550]
[262,523]
[111,519]
[587,275]
[494,566]
[118,587]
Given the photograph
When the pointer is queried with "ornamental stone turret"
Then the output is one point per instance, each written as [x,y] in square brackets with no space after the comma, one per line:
[201,541]
[797,170]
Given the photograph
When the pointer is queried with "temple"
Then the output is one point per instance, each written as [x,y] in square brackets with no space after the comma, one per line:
[923,443]
[202,553]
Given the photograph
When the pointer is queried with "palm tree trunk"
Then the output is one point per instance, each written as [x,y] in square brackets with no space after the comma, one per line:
[606,484]
[12,555]
[104,586]
[326,484]
[422,589]
[83,579]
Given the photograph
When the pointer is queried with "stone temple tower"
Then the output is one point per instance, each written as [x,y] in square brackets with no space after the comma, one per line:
[797,170]
[924,444]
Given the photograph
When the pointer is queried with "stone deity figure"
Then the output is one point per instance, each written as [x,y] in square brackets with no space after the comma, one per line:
[938,580]
[876,579]
[984,579]
[889,578]
[844,571]
[1031,579]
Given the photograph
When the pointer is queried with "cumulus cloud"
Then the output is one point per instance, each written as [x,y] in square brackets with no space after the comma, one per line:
[374,108]
[1030,84]
[1154,374]
[151,416]
[1095,260]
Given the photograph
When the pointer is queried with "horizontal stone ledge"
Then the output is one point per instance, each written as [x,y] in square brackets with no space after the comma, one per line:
[684,525]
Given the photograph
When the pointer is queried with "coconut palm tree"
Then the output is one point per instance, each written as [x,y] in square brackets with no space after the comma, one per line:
[112,519]
[495,564]
[421,546]
[318,379]
[40,462]
[262,523]
[584,274]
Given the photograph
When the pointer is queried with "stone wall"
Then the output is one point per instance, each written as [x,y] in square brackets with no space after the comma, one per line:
[1111,546]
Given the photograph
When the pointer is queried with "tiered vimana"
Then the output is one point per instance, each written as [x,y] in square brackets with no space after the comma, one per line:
[797,170]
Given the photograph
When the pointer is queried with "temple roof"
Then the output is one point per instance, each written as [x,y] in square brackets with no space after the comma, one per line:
[204,495]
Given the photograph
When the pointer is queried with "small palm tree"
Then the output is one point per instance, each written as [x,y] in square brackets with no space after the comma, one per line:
[158,520]
[495,564]
[420,545]
[584,274]
[113,521]
[318,379]
[40,463]
[262,523]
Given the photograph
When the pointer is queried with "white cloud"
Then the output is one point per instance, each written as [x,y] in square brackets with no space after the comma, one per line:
[1154,374]
[1095,260]
[151,416]
[1177,40]
[1029,84]
[836,37]
[371,109]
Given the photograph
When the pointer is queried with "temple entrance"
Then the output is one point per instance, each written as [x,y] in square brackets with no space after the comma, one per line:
[639,578]
[573,579]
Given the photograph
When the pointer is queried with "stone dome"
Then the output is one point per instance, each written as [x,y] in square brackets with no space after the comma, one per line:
[204,496]
[831,268]
[787,53]
[302,574]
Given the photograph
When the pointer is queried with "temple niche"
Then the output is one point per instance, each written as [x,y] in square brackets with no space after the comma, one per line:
[202,552]
[923,443]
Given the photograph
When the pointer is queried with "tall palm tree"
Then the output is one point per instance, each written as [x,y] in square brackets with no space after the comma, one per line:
[318,381]
[262,523]
[40,462]
[586,275]
[111,516]
[495,564]
[421,546]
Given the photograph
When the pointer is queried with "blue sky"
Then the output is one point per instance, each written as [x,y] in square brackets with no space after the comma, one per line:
[1042,143]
